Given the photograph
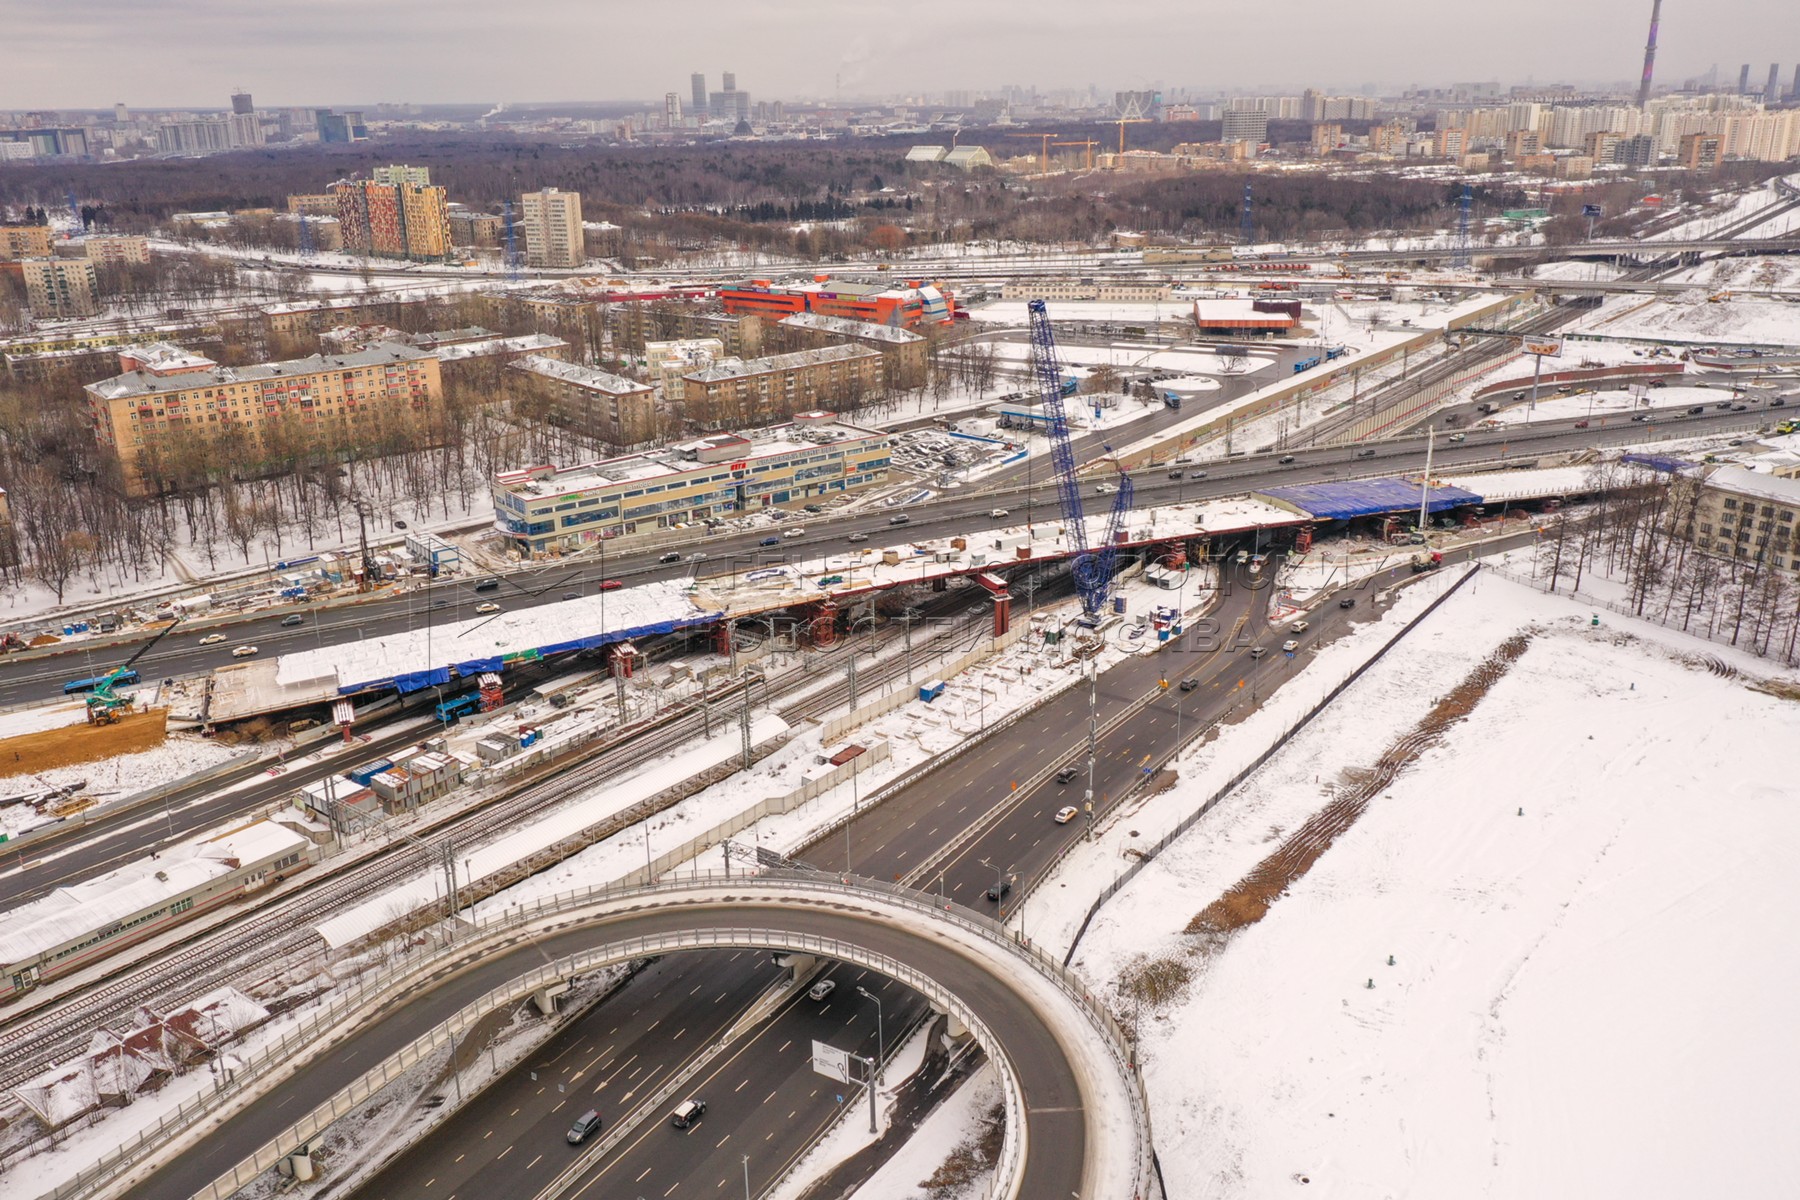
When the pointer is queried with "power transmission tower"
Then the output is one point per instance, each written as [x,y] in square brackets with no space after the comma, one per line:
[1464,206]
[306,237]
[512,244]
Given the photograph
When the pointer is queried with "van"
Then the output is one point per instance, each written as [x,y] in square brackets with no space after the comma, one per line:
[488,585]
[585,1126]
[687,1112]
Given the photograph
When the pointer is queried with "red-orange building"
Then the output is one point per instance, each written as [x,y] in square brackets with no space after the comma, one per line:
[903,306]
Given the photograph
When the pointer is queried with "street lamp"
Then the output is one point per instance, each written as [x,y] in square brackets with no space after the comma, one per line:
[880,1042]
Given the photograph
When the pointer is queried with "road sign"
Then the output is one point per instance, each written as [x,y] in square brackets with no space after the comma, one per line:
[829,1061]
[1592,210]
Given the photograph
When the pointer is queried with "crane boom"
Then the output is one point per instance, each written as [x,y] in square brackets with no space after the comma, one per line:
[1062,454]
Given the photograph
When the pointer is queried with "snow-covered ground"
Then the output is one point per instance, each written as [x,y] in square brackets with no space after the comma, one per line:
[1599,405]
[1577,885]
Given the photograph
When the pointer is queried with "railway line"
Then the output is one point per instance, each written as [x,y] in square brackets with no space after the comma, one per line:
[280,931]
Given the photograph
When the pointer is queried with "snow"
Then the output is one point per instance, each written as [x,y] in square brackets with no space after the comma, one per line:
[1534,1035]
[1188,360]
[22,721]
[1599,405]
[956,1119]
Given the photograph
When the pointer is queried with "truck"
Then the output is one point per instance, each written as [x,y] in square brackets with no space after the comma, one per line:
[1426,560]
[931,690]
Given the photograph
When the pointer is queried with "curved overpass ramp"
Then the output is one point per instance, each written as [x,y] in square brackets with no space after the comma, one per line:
[1076,1125]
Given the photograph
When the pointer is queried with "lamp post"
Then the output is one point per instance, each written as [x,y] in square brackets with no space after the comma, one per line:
[880,1041]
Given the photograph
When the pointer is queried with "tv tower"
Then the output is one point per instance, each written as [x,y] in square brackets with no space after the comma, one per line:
[1650,55]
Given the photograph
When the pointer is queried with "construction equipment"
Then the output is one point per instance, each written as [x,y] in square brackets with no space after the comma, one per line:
[1043,161]
[1089,144]
[1092,572]
[104,706]
[1122,122]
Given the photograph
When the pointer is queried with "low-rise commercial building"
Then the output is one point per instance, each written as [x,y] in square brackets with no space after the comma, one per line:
[60,287]
[606,407]
[739,393]
[907,305]
[168,395]
[550,510]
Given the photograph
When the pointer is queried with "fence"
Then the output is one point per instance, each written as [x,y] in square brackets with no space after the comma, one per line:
[330,1024]
[1188,822]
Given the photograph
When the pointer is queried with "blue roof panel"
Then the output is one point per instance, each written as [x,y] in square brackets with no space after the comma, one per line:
[1366,498]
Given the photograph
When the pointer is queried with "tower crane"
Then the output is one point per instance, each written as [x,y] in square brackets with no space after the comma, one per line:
[1122,122]
[1092,566]
[1043,148]
[1089,144]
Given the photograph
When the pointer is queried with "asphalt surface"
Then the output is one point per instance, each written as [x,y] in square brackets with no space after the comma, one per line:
[1056,1119]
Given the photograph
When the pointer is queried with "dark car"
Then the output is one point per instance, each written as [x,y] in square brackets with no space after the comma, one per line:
[1723,406]
[999,891]
[1188,685]
[488,585]
[1366,453]
[571,595]
[813,508]
[1581,424]
[770,541]
[1740,408]
[671,556]
[1174,474]
[585,1126]
[687,1112]
[1777,402]
[1347,602]
[1285,459]
[1641,417]
[1696,410]
[1067,773]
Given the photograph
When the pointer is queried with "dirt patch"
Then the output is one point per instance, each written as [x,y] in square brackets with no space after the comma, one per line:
[1781,689]
[72,745]
[1155,981]
[970,1160]
[1247,901]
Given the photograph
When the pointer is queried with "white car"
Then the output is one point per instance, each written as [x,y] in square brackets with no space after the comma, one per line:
[1105,489]
[1066,813]
[212,639]
[793,533]
[1291,645]
[243,651]
[1298,627]
[489,607]
[997,513]
[822,989]
[857,537]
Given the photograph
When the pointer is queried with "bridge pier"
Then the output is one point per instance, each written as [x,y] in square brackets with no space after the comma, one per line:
[544,999]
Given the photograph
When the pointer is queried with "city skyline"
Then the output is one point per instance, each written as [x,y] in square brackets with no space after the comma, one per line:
[812,50]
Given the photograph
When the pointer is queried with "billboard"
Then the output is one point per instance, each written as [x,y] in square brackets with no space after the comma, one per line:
[1544,347]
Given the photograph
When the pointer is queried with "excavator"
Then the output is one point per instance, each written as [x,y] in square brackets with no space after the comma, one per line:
[104,705]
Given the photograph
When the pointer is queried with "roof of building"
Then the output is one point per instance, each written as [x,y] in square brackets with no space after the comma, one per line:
[926,154]
[738,368]
[1364,498]
[1746,482]
[1238,314]
[166,357]
[845,327]
[576,375]
[963,156]
[142,383]
[525,343]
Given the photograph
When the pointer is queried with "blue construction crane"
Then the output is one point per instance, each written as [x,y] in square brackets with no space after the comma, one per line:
[75,214]
[1464,207]
[1093,571]
[512,244]
[1248,230]
[306,237]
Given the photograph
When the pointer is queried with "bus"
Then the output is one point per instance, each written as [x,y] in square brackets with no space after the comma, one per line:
[88,685]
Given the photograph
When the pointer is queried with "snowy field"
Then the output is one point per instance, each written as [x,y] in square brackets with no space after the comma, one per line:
[1577,885]
[1600,405]
[1189,361]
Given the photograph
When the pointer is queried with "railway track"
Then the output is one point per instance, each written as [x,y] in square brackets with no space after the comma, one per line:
[283,931]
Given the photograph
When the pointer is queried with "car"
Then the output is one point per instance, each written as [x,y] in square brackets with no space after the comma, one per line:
[1347,602]
[1778,402]
[399,524]
[212,639]
[1291,645]
[291,620]
[794,533]
[1258,651]
[1104,489]
[1740,408]
[1723,406]
[489,607]
[1581,425]
[1067,773]
[610,585]
[243,651]
[996,513]
[1298,627]
[821,989]
[1284,460]
[1641,417]
[439,603]
[672,556]
[1366,452]
[1175,474]
[770,541]
[999,891]
[697,556]
[687,1112]
[901,519]
[1188,685]
[858,537]
[488,585]
[1696,410]
[1066,813]
[585,1126]
[1196,474]
[1459,437]
[571,595]
[813,508]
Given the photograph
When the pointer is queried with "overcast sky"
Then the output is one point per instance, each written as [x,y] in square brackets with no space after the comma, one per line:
[161,53]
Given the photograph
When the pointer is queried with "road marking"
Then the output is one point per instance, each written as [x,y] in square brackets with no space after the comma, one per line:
[640,1178]
[739,1087]
[534,1162]
[723,1140]
[683,1030]
[503,1154]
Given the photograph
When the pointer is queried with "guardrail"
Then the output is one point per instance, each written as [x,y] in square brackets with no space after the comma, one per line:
[318,1032]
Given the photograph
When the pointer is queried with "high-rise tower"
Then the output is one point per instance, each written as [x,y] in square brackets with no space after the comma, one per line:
[699,90]
[1650,54]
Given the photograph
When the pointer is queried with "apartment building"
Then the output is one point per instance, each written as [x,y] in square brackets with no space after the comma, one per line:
[903,352]
[667,362]
[1245,126]
[553,236]
[313,204]
[471,228]
[547,510]
[166,393]
[739,393]
[1699,151]
[1744,515]
[24,241]
[60,287]
[398,219]
[598,404]
[117,249]
[636,324]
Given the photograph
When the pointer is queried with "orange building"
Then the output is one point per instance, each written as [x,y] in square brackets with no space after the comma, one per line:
[398,219]
[913,303]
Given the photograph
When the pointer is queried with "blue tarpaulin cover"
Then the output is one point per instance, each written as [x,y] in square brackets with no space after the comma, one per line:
[1366,498]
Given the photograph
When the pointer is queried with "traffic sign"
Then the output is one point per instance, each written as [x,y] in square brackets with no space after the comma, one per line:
[830,1061]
